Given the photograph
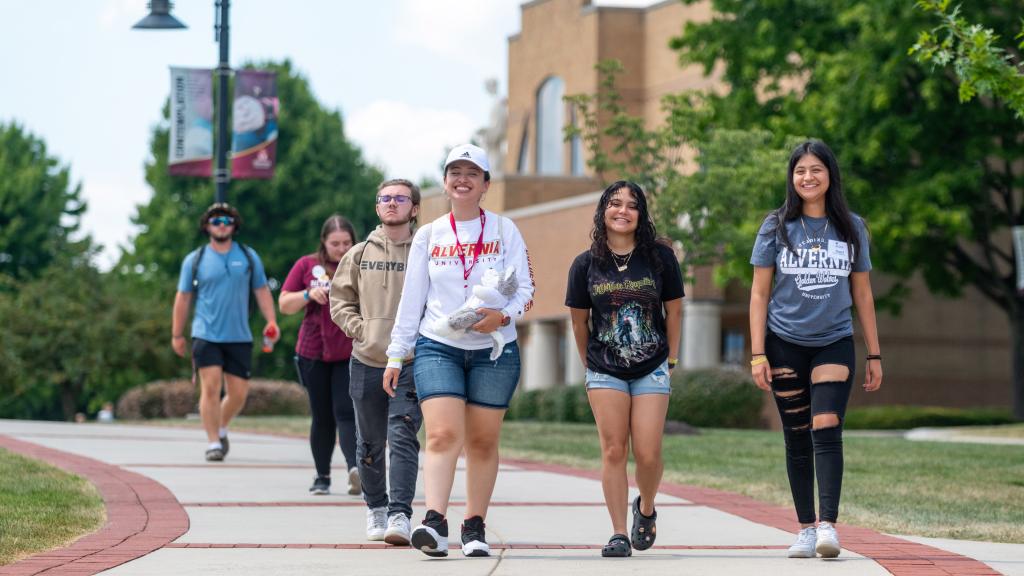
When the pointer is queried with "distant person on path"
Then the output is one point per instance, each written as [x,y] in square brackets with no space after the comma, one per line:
[222,273]
[322,354]
[364,302]
[463,393]
[801,332]
[628,286]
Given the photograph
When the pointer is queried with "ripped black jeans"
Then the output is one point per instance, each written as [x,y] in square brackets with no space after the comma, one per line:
[806,383]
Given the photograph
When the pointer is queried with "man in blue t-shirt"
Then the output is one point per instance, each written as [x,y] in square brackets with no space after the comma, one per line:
[225,273]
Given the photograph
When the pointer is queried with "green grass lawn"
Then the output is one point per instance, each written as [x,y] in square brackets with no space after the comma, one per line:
[42,507]
[949,490]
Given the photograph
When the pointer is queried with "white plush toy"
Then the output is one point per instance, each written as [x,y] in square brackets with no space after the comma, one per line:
[494,291]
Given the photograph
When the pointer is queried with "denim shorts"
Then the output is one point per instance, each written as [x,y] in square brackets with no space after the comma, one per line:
[656,382]
[443,370]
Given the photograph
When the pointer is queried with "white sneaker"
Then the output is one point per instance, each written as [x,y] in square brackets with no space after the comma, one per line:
[355,486]
[804,546]
[398,530]
[376,523]
[828,540]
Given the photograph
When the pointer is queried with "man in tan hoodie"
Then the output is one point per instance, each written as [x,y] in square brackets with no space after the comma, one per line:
[364,300]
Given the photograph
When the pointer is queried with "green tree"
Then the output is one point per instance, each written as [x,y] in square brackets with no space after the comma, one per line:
[39,208]
[75,337]
[319,172]
[939,181]
[982,66]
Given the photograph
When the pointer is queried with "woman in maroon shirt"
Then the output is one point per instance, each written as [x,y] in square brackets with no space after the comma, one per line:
[323,352]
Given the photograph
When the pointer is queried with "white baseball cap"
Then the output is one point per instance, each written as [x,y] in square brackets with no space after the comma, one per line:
[471,153]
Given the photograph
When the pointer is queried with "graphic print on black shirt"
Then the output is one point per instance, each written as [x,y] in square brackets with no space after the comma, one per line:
[628,337]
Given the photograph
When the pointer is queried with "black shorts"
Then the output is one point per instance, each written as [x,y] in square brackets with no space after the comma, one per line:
[234,357]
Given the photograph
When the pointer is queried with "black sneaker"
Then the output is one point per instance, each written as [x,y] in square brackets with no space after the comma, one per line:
[215,455]
[225,444]
[431,537]
[321,485]
[474,537]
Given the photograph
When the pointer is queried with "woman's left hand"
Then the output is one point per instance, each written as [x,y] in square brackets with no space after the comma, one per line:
[490,322]
[873,375]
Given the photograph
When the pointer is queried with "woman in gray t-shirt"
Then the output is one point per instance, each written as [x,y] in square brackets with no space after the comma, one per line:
[811,263]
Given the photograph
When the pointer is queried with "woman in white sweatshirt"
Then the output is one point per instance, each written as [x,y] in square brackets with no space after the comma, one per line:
[463,393]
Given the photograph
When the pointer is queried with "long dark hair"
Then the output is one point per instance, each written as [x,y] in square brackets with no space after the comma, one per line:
[836,210]
[333,223]
[646,236]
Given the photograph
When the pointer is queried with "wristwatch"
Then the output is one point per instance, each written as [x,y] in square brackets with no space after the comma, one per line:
[505,320]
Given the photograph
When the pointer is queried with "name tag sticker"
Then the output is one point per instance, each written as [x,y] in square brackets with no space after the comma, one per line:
[838,250]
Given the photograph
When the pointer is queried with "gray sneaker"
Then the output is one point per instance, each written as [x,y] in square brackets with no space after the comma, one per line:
[398,530]
[376,523]
[804,546]
[355,486]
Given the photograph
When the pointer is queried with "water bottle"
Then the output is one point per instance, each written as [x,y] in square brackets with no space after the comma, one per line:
[268,339]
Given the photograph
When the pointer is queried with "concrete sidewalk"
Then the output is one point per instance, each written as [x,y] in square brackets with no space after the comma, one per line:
[172,513]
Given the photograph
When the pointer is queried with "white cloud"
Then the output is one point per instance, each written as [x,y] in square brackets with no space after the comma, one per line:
[408,141]
[461,30]
[112,201]
[121,14]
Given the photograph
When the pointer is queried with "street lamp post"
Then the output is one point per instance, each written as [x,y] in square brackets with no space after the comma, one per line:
[160,18]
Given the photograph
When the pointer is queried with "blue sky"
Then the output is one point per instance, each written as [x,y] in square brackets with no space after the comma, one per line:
[407,75]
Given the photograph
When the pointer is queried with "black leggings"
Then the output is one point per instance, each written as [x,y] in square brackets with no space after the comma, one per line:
[331,407]
[810,450]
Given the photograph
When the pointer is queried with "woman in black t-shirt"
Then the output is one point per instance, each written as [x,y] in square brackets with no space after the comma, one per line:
[629,288]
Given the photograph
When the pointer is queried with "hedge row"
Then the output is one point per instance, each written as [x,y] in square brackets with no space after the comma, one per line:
[718,398]
[907,417]
[178,398]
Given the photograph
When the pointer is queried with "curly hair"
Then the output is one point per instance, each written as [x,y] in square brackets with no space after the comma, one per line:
[647,239]
[220,209]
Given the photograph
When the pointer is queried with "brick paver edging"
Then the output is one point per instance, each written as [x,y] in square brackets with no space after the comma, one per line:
[898,556]
[142,516]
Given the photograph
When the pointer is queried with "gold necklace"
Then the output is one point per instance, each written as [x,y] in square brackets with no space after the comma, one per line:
[822,232]
[625,260]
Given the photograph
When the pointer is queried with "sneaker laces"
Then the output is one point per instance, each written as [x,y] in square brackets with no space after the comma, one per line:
[376,518]
[473,529]
[807,536]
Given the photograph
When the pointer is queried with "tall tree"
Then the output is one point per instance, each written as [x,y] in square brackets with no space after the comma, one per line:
[319,172]
[39,208]
[940,181]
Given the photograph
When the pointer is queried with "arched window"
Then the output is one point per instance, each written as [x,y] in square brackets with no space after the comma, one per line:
[549,126]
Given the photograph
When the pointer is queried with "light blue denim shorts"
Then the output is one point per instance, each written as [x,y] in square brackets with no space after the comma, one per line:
[443,370]
[656,382]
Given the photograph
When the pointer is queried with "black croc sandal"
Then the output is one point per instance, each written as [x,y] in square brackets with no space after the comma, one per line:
[617,547]
[644,529]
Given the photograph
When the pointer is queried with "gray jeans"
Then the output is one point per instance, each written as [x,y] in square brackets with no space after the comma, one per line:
[384,421]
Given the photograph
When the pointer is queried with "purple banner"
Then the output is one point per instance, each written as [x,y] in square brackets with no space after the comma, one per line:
[254,134]
[191,141]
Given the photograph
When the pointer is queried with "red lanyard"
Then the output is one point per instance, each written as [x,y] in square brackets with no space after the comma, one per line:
[458,245]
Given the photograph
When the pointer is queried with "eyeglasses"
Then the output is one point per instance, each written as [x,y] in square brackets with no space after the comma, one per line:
[387,198]
[221,221]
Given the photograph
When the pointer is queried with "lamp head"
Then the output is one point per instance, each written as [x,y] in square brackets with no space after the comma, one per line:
[159,17]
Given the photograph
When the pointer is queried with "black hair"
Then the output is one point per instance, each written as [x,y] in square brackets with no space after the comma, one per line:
[836,209]
[646,235]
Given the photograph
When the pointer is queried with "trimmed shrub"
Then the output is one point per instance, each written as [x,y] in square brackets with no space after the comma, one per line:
[715,398]
[276,398]
[160,399]
[178,398]
[906,417]
[718,397]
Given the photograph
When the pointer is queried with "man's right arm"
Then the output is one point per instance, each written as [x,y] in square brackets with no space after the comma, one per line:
[182,301]
[344,297]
